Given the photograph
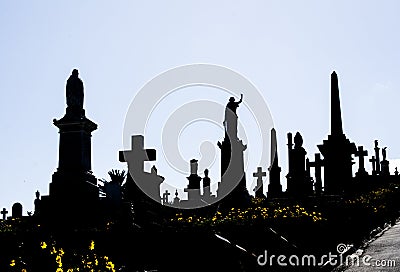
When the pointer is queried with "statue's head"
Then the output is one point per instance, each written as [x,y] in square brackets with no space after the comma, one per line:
[75,72]
[298,140]
[232,99]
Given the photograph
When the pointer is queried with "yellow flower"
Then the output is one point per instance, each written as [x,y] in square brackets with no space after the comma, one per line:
[53,251]
[110,266]
[43,245]
[91,247]
[12,263]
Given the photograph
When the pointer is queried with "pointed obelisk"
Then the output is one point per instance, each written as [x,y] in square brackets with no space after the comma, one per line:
[337,150]
[336,112]
[274,186]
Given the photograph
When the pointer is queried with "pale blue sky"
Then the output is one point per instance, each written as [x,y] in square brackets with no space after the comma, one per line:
[287,49]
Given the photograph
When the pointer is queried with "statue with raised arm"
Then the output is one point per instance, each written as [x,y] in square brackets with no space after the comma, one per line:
[231,117]
[233,105]
[74,90]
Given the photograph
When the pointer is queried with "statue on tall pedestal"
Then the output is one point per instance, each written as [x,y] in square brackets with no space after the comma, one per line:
[233,177]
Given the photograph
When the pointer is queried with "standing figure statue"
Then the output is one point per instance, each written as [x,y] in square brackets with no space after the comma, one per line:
[232,105]
[384,153]
[74,90]
[231,117]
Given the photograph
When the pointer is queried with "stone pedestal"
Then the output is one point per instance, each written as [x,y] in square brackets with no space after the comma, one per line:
[232,187]
[73,190]
[385,168]
[74,177]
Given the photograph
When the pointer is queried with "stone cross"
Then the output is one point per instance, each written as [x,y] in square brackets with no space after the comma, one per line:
[4,213]
[373,161]
[317,163]
[361,153]
[259,187]
[259,174]
[137,156]
[165,197]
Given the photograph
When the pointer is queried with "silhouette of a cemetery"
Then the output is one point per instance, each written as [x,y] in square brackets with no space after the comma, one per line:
[76,193]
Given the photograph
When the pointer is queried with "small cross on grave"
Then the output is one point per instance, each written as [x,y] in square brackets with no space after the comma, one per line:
[259,187]
[373,161]
[138,155]
[4,213]
[165,197]
[361,153]
[317,163]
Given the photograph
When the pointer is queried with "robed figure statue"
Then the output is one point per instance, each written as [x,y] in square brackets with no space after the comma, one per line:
[74,91]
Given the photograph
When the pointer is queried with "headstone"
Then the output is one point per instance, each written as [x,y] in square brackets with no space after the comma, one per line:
[396,172]
[4,212]
[37,203]
[193,188]
[137,155]
[165,196]
[206,187]
[259,186]
[361,153]
[177,200]
[384,164]
[274,186]
[139,180]
[317,163]
[16,210]
[373,161]
[298,183]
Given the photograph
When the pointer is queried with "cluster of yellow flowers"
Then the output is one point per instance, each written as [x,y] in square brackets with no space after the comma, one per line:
[89,262]
[249,215]
[374,199]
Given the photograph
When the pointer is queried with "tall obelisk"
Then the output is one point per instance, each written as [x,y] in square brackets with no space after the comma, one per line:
[337,149]
[274,186]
